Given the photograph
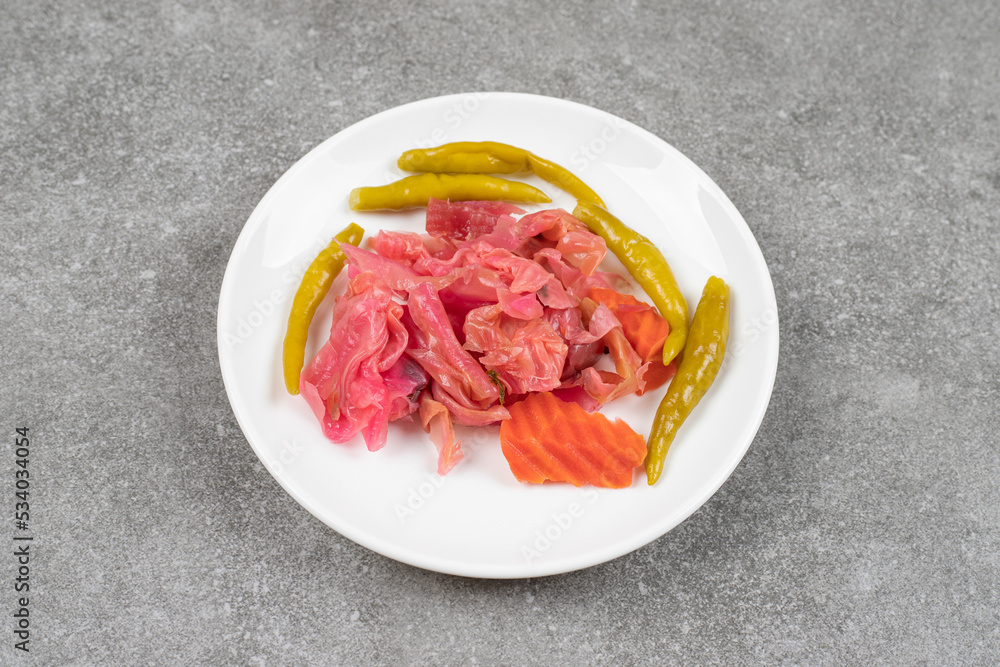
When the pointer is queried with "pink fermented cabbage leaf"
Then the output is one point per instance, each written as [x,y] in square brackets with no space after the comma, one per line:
[436,420]
[466,219]
[343,384]
[525,355]
[436,348]
[457,324]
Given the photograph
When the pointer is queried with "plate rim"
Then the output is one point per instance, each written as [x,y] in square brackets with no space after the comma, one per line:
[591,557]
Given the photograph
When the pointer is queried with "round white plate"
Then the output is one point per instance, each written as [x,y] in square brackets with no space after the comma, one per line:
[478,521]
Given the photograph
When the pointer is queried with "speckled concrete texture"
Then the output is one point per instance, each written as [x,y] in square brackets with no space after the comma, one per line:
[861,142]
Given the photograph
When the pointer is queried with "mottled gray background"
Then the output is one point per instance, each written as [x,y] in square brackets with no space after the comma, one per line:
[861,142]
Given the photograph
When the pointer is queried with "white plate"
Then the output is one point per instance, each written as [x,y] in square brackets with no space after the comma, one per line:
[478,520]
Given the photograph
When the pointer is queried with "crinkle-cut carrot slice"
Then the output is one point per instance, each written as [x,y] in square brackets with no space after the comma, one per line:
[549,439]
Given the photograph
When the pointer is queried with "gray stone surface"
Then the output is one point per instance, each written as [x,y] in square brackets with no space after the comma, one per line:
[861,141]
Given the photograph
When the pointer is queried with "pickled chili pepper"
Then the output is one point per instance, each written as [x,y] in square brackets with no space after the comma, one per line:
[315,284]
[458,163]
[565,179]
[427,159]
[483,157]
[647,265]
[417,190]
[700,363]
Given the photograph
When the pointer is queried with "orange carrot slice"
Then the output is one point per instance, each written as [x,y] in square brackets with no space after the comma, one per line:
[549,439]
[624,356]
[644,328]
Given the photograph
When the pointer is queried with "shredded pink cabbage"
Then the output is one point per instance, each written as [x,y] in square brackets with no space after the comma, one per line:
[525,355]
[437,349]
[343,384]
[436,420]
[467,219]
[490,303]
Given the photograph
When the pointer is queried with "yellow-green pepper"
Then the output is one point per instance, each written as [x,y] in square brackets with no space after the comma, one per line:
[484,157]
[564,178]
[415,191]
[431,159]
[647,265]
[699,365]
[314,286]
[457,163]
